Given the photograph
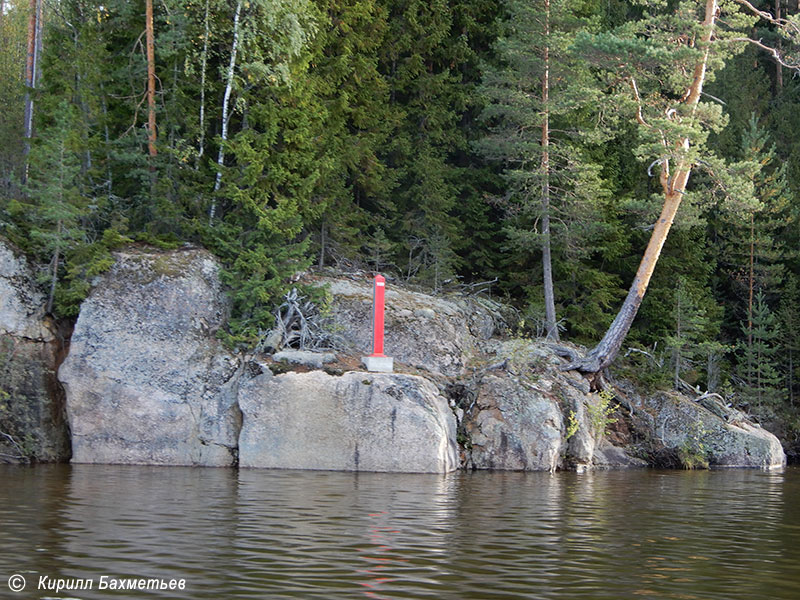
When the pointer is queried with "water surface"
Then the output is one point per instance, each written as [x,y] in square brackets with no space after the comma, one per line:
[731,534]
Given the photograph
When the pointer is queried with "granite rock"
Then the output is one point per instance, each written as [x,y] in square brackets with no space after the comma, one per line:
[355,422]
[146,380]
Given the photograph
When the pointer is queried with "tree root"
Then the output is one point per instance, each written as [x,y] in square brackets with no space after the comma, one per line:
[588,364]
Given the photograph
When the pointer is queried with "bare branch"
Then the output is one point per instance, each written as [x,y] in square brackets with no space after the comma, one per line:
[658,161]
[768,16]
[772,51]
[639,116]
[714,98]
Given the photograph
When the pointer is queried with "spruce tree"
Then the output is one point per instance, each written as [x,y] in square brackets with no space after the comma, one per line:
[749,237]
[789,325]
[419,59]
[57,203]
[266,194]
[758,365]
[691,329]
[355,187]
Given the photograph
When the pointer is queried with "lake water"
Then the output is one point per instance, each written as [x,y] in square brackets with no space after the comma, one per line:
[287,534]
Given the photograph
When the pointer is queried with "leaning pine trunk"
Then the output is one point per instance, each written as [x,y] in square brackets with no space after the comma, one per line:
[673,187]
[225,111]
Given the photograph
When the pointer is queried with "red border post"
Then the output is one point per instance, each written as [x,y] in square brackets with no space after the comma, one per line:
[378,300]
[378,362]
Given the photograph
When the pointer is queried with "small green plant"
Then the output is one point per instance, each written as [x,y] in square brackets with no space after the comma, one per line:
[572,424]
[693,452]
[463,439]
[522,359]
[600,413]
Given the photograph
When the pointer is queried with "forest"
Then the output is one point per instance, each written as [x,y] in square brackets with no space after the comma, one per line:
[542,150]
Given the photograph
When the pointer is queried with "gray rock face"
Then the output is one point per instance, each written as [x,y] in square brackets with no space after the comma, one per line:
[422,331]
[515,427]
[356,422]
[32,414]
[21,303]
[146,380]
[681,424]
[537,418]
[533,417]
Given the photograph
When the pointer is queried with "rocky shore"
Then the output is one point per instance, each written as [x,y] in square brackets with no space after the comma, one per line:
[145,380]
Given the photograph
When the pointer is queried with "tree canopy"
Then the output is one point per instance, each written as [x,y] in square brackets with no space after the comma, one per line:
[545,147]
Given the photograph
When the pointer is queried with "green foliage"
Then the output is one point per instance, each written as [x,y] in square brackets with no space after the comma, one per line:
[406,136]
[572,425]
[789,326]
[692,327]
[84,263]
[601,411]
[429,60]
[13,29]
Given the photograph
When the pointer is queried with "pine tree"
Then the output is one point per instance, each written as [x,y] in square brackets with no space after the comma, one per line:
[663,61]
[538,83]
[748,237]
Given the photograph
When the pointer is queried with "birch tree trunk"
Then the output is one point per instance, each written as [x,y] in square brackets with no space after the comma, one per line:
[225,108]
[778,66]
[551,322]
[31,77]
[673,188]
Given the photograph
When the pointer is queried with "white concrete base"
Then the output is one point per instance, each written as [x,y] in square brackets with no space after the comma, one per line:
[378,364]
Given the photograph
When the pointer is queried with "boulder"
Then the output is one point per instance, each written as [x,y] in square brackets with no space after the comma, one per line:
[434,334]
[33,424]
[684,427]
[146,380]
[355,422]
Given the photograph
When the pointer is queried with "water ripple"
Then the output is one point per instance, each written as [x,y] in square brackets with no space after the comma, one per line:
[719,535]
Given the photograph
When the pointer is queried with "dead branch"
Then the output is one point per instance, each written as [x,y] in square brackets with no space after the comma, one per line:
[770,50]
[639,115]
[22,456]
[768,16]
[653,359]
[300,324]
